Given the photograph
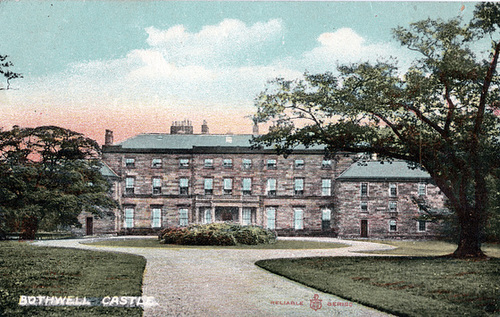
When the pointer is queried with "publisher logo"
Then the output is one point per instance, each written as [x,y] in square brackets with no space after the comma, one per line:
[316,302]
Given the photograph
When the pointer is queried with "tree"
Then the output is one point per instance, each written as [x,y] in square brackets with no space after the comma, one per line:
[48,176]
[6,72]
[439,114]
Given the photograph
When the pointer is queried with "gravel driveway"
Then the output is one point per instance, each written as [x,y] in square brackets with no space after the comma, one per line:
[201,282]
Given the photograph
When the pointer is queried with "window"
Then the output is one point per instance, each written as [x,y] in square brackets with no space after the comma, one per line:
[298,219]
[129,162]
[393,190]
[299,186]
[393,206]
[228,186]
[326,216]
[247,216]
[364,189]
[156,163]
[271,218]
[207,215]
[184,163]
[271,164]
[129,217]
[247,186]
[184,186]
[364,206]
[156,186]
[156,217]
[247,164]
[129,185]
[422,189]
[392,225]
[422,225]
[209,163]
[299,164]
[271,187]
[183,217]
[227,163]
[208,185]
[326,164]
[326,187]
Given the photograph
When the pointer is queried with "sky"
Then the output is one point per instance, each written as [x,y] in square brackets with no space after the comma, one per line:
[136,66]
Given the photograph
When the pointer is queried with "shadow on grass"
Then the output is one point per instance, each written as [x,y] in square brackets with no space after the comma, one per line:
[404,286]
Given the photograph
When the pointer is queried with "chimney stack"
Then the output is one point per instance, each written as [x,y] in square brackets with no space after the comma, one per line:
[108,139]
[204,127]
[181,127]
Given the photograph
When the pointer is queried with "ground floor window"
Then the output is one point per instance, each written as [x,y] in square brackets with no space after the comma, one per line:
[247,216]
[183,217]
[271,218]
[129,217]
[422,225]
[298,219]
[392,225]
[207,216]
[326,216]
[156,217]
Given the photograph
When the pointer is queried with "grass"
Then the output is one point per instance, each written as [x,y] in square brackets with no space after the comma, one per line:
[42,271]
[404,286]
[280,244]
[429,248]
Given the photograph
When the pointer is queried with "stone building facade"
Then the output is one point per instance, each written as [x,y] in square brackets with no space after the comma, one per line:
[170,180]
[378,200]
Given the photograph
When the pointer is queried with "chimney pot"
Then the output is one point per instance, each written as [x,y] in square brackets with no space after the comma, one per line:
[108,140]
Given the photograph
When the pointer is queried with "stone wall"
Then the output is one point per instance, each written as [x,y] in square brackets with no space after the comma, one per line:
[170,200]
[349,214]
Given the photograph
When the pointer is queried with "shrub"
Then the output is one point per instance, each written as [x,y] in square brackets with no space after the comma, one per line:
[221,234]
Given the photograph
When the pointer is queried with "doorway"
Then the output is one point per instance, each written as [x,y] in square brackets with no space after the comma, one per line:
[364,228]
[226,214]
[90,226]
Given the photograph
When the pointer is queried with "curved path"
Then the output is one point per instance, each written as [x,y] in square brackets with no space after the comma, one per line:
[201,282]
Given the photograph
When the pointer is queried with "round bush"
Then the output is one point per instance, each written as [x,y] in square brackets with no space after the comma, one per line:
[221,234]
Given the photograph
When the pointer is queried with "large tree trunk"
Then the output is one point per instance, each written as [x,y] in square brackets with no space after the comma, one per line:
[469,245]
[29,227]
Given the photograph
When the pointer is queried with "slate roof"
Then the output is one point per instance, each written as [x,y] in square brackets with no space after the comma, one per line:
[160,141]
[107,172]
[184,141]
[387,170]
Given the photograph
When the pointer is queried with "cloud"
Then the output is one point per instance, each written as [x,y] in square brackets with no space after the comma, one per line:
[218,65]
[229,43]
[344,46]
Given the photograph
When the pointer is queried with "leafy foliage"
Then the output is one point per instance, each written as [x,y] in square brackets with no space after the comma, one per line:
[6,72]
[441,114]
[217,234]
[48,176]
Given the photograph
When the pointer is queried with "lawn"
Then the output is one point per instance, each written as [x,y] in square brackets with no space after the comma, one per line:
[430,248]
[42,271]
[280,244]
[404,286]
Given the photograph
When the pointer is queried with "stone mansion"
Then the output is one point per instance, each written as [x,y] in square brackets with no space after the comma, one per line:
[181,178]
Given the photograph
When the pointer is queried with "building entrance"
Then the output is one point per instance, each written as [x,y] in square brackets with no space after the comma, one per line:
[226,214]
